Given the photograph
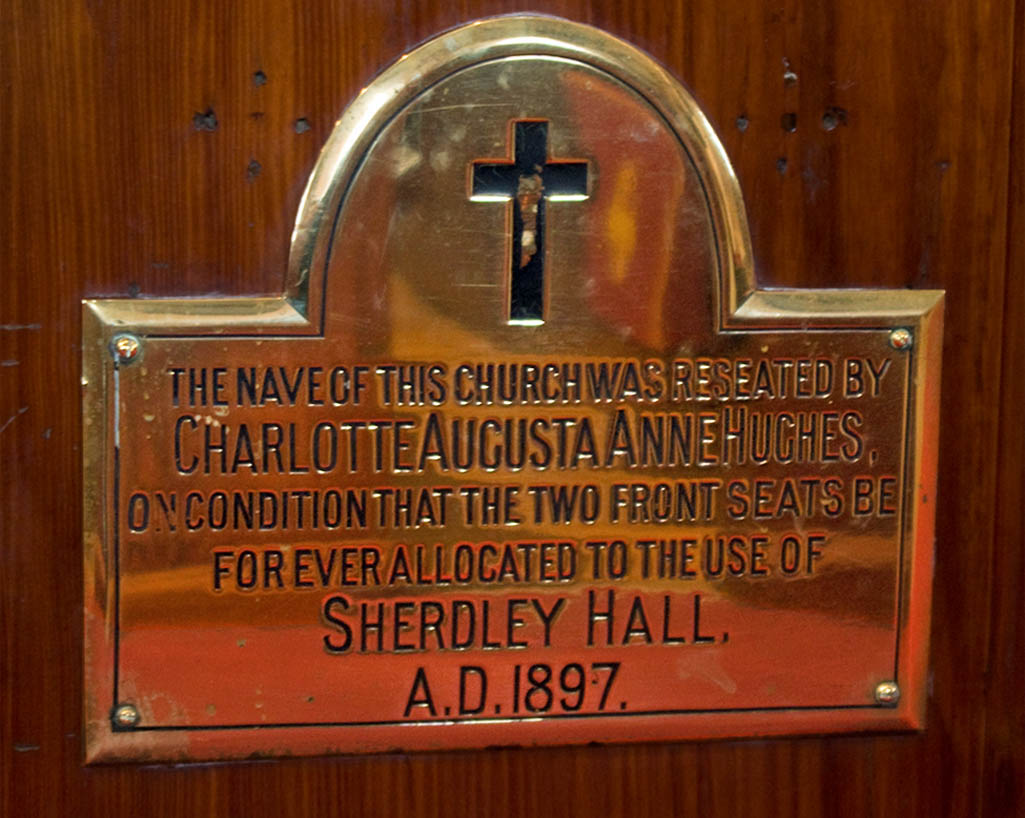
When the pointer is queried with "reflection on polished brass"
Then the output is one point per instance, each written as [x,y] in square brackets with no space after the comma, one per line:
[521,456]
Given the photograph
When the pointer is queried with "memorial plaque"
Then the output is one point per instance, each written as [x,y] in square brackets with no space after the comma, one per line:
[521,456]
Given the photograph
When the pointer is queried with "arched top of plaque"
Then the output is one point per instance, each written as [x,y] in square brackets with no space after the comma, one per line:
[664,169]
[635,236]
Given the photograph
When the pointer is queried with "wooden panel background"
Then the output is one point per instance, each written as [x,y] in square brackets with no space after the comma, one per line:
[142,156]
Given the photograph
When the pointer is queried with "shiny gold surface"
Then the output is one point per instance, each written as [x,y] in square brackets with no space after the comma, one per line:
[209,614]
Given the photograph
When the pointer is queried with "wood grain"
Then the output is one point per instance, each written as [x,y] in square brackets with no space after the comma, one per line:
[143,156]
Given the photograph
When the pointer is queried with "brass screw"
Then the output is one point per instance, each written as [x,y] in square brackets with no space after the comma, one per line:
[125,348]
[887,693]
[126,716]
[900,338]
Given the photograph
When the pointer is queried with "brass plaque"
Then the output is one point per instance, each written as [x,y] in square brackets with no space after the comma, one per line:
[521,456]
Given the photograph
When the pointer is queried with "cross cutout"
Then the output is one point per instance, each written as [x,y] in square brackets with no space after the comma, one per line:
[528,181]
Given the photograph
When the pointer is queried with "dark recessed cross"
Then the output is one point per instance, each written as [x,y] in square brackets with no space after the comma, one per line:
[528,180]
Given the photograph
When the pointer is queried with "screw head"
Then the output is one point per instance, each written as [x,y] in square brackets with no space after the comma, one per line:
[887,693]
[125,348]
[126,716]
[900,338]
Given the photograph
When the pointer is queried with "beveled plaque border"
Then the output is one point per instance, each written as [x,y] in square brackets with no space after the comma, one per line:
[299,311]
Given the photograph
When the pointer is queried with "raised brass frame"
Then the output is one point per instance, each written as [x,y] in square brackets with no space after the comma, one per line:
[741,307]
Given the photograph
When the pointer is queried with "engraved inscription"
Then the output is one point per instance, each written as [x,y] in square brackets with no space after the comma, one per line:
[565,507]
